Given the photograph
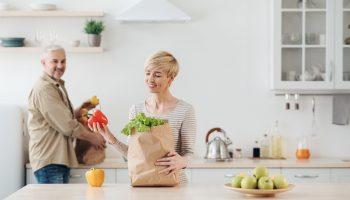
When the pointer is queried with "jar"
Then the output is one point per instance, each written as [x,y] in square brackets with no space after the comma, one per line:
[303,151]
[238,153]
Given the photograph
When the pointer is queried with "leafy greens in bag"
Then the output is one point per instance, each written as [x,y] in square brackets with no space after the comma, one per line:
[141,123]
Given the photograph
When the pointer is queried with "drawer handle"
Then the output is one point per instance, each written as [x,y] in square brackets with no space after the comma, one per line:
[75,176]
[229,175]
[306,176]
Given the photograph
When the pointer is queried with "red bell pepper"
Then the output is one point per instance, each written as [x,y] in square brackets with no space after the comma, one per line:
[98,117]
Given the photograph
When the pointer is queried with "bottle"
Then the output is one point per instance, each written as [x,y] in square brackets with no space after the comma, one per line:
[256,150]
[303,151]
[238,153]
[265,147]
[276,142]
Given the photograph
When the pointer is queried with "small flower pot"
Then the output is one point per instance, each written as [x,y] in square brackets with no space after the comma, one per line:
[94,40]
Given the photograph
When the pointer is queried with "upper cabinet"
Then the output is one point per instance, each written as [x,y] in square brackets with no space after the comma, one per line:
[309,50]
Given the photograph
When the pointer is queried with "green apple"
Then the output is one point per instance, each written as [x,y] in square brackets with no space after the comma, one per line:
[280,181]
[260,171]
[249,182]
[265,183]
[236,181]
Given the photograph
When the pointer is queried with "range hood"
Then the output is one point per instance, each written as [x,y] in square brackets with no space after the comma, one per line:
[153,11]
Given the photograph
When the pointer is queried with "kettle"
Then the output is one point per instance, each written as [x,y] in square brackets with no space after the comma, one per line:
[217,147]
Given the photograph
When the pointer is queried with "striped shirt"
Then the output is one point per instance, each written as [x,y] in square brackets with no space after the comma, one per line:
[182,121]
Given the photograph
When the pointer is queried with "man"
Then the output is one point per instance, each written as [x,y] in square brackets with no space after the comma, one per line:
[52,124]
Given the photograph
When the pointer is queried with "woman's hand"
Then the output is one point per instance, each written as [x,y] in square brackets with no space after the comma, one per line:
[104,131]
[174,162]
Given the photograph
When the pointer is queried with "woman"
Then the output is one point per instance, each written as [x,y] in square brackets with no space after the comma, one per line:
[160,72]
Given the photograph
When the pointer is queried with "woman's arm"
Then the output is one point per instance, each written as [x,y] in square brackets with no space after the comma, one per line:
[109,137]
[176,161]
[188,133]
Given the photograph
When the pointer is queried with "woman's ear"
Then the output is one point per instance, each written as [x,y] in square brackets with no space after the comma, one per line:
[170,81]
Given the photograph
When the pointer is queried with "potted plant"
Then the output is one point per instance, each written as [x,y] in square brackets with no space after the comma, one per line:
[94,29]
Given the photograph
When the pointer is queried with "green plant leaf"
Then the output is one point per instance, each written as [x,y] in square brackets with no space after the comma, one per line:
[141,123]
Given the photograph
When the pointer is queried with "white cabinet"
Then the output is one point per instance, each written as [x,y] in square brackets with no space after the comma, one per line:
[340,175]
[307,175]
[309,53]
[30,178]
[76,176]
[221,176]
[342,44]
[122,176]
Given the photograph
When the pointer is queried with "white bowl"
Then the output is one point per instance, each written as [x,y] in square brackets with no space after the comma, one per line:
[43,6]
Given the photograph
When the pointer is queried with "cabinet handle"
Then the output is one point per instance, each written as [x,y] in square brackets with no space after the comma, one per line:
[229,175]
[305,176]
[332,71]
[75,176]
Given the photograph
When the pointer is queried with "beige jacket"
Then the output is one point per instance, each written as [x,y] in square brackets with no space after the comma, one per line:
[52,125]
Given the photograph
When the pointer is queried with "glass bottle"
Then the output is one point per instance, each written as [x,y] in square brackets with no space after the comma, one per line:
[303,151]
[265,147]
[276,142]
[256,150]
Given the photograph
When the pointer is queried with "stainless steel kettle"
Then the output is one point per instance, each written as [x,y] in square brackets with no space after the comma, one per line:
[217,147]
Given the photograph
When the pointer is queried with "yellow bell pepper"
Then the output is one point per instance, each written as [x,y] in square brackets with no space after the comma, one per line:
[94,100]
[95,177]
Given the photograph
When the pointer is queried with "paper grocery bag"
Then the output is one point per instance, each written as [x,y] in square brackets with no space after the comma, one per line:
[144,149]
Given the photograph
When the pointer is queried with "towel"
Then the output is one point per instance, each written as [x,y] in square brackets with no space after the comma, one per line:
[341,109]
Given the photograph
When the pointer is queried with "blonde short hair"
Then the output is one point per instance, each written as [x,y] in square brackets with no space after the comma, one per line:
[165,61]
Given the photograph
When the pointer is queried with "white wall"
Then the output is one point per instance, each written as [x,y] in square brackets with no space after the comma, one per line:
[225,70]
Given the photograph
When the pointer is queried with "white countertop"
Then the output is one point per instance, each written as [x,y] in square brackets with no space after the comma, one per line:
[241,163]
[184,192]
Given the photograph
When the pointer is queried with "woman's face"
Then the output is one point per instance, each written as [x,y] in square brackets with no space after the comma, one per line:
[157,80]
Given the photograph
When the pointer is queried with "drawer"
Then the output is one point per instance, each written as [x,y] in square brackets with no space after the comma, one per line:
[221,176]
[122,176]
[78,176]
[307,175]
[30,178]
[340,175]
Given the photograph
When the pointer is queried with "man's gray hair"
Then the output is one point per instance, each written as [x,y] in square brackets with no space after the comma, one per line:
[51,48]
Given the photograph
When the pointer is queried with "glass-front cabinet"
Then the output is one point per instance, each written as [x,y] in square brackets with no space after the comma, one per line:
[311,45]
[342,54]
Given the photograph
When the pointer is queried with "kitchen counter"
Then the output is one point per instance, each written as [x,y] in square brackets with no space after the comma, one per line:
[240,163]
[193,192]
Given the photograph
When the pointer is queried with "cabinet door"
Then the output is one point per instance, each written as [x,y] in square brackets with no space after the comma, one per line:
[222,176]
[306,175]
[123,176]
[340,175]
[303,45]
[30,178]
[342,40]
[78,176]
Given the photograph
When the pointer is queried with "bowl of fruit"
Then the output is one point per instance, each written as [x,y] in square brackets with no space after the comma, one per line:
[260,183]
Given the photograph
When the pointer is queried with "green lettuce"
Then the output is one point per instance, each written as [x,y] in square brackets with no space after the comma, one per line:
[141,123]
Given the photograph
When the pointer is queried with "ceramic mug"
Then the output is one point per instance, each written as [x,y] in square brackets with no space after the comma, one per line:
[75,43]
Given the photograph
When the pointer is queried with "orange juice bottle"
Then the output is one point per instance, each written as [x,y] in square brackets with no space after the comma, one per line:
[303,151]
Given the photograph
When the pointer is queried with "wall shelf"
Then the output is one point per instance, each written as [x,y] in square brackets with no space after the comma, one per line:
[55,13]
[39,49]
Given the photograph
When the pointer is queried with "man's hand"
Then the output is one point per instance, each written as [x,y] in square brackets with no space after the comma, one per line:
[97,140]
[87,105]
